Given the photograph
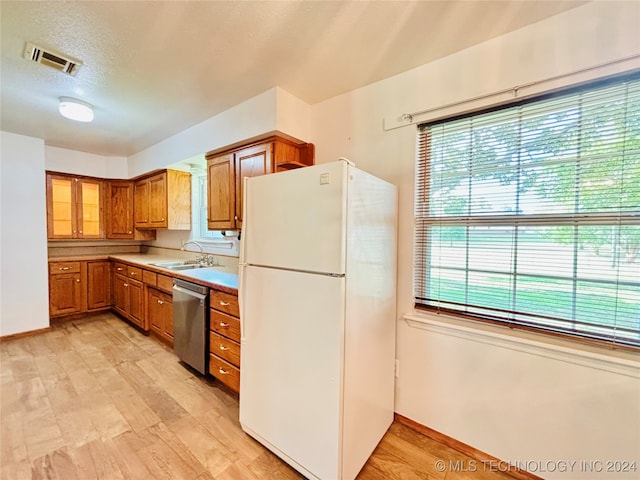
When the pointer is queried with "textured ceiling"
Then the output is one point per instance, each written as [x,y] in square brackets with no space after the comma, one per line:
[154,68]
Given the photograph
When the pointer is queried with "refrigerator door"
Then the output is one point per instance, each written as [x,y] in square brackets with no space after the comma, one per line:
[296,219]
[291,375]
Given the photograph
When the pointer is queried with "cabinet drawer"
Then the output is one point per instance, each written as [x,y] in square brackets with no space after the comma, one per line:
[225,372]
[225,348]
[165,283]
[64,267]
[134,272]
[224,324]
[120,268]
[149,277]
[224,302]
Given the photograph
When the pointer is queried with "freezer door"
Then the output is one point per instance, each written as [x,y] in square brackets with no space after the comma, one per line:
[291,375]
[296,219]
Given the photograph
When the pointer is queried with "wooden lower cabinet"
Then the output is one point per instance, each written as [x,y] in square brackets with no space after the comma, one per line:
[118,297]
[78,287]
[160,314]
[135,293]
[128,298]
[224,338]
[65,294]
[98,285]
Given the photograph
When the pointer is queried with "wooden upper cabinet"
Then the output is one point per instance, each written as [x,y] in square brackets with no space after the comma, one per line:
[74,207]
[251,162]
[221,201]
[158,201]
[163,200]
[141,202]
[226,170]
[120,209]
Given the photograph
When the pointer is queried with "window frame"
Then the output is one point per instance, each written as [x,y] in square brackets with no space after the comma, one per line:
[423,197]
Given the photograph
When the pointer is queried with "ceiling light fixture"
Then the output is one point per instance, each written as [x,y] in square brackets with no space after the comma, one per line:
[75,109]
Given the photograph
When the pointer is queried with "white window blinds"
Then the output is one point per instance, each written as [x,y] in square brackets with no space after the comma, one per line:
[530,214]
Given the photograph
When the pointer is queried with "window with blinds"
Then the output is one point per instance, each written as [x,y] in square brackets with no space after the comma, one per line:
[530,215]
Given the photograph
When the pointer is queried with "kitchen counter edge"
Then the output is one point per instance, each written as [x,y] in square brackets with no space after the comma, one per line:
[222,281]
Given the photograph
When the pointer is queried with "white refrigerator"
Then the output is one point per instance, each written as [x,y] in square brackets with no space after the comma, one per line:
[317,309]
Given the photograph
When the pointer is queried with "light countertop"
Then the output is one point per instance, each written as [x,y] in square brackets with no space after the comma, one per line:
[221,278]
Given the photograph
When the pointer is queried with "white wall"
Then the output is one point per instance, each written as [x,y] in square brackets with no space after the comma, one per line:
[248,119]
[293,116]
[515,396]
[82,163]
[24,294]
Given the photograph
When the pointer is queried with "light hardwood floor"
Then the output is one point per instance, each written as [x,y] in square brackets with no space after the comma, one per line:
[94,398]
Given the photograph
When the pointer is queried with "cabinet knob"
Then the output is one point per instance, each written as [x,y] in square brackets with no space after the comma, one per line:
[223,348]
[129,232]
[162,219]
[64,268]
[236,217]
[222,371]
[224,325]
[132,273]
[160,302]
[119,269]
[224,304]
[78,280]
[80,231]
[126,284]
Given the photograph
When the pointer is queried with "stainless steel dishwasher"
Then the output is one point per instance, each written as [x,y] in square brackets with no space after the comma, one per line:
[191,324]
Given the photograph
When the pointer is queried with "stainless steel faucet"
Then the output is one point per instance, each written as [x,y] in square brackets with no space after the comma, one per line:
[195,243]
[200,258]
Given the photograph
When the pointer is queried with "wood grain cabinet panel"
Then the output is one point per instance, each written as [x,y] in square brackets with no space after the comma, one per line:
[79,287]
[251,162]
[221,200]
[225,348]
[163,200]
[74,207]
[225,372]
[141,203]
[160,313]
[227,168]
[118,300]
[119,216]
[120,210]
[128,295]
[65,294]
[225,325]
[224,338]
[98,285]
[136,303]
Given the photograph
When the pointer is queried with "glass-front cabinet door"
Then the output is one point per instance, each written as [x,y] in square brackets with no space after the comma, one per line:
[89,209]
[74,207]
[60,207]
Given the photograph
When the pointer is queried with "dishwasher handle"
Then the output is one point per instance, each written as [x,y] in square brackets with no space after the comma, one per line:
[191,293]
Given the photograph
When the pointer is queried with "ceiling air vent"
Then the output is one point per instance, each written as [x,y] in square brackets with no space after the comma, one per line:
[50,59]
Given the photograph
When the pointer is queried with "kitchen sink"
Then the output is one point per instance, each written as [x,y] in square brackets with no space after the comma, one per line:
[178,265]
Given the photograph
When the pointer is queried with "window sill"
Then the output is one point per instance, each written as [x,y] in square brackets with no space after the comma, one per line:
[227,244]
[616,361]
